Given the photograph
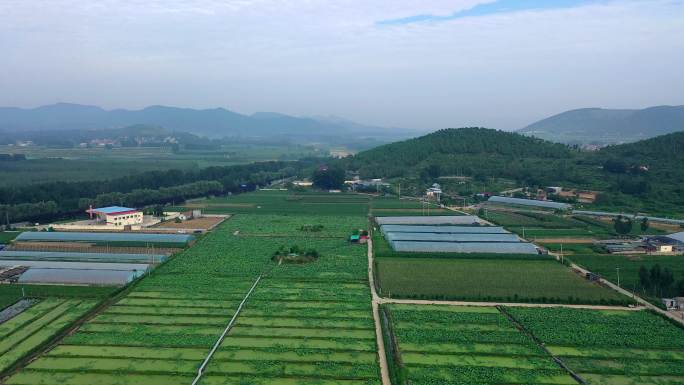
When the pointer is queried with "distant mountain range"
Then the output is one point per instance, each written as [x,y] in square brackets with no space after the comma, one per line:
[214,123]
[606,126]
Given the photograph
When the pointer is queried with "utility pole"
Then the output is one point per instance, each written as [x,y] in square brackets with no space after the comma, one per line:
[561,253]
[618,276]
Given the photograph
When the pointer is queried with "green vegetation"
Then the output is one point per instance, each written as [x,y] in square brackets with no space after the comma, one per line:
[489,155]
[607,266]
[52,164]
[610,347]
[35,326]
[464,345]
[304,323]
[507,280]
[7,236]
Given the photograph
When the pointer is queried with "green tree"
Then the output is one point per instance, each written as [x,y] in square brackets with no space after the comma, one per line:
[622,225]
[328,178]
[644,224]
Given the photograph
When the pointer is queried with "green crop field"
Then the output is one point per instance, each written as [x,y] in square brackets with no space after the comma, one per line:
[610,347]
[305,323]
[536,225]
[463,345]
[37,325]
[607,265]
[507,280]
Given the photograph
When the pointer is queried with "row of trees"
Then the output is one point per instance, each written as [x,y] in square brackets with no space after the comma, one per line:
[50,201]
[660,282]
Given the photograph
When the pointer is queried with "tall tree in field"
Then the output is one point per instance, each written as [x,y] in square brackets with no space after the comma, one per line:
[622,225]
[644,224]
[328,178]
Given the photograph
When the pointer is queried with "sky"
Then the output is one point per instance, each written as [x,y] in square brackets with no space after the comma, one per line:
[425,64]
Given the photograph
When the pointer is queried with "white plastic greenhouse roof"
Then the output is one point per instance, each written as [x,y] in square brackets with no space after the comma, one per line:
[467,247]
[75,265]
[429,220]
[443,229]
[76,276]
[432,237]
[103,237]
[530,202]
[80,257]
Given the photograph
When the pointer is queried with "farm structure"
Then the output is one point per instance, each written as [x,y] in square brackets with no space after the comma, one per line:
[79,266]
[454,239]
[529,202]
[308,323]
[117,215]
[429,220]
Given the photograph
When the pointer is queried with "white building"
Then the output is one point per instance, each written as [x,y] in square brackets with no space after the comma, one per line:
[117,216]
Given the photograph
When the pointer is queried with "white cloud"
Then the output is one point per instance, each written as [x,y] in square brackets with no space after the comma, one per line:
[322,56]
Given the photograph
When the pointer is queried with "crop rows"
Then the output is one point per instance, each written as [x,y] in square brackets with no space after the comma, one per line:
[305,331]
[36,325]
[464,345]
[308,323]
[610,347]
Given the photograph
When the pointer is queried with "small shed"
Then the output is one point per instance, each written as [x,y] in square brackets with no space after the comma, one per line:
[355,238]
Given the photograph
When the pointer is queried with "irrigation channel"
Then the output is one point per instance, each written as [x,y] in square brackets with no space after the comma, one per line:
[200,371]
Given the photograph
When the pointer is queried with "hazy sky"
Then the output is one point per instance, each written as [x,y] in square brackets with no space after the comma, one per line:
[408,63]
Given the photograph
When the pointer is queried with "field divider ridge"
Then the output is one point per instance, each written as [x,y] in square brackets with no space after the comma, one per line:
[230,325]
[539,343]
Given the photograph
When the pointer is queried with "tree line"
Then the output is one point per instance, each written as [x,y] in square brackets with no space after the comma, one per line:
[50,201]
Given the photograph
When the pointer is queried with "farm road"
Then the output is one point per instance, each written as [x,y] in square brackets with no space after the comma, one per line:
[671,315]
[494,304]
[382,357]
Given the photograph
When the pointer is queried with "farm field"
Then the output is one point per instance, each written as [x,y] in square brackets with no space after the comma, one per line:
[463,345]
[610,347]
[540,227]
[506,280]
[88,164]
[304,323]
[36,325]
[607,264]
[7,236]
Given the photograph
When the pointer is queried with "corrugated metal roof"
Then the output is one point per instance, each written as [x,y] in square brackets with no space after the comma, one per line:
[429,220]
[112,209]
[433,237]
[679,237]
[443,229]
[468,247]
[103,237]
[530,202]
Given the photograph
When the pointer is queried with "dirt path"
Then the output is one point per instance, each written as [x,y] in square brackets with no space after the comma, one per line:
[495,304]
[671,315]
[382,357]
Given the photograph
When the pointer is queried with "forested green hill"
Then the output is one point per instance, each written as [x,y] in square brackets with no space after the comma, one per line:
[643,176]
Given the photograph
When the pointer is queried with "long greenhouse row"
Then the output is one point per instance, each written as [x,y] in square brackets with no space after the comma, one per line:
[451,238]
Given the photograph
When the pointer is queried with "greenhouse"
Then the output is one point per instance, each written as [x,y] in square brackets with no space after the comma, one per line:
[76,265]
[443,229]
[466,247]
[81,257]
[56,236]
[433,220]
[530,202]
[428,237]
[76,276]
